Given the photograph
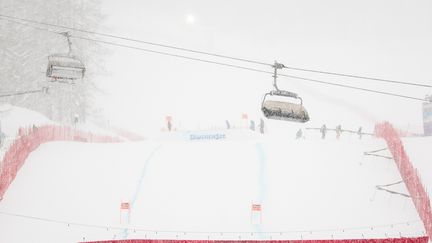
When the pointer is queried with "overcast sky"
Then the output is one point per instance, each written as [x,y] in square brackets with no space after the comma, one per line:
[386,39]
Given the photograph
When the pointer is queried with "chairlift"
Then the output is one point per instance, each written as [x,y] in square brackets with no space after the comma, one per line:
[283,110]
[65,67]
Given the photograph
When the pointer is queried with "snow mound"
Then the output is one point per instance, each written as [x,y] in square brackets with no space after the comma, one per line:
[13,117]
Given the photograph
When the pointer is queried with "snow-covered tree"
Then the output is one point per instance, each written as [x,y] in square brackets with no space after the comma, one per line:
[24,49]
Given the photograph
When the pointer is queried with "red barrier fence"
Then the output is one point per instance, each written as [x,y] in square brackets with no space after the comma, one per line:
[127,134]
[30,139]
[409,174]
[391,240]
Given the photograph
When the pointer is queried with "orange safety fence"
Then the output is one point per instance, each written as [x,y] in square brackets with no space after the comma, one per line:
[29,139]
[409,174]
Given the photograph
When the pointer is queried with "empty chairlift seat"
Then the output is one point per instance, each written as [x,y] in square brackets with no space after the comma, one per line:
[65,67]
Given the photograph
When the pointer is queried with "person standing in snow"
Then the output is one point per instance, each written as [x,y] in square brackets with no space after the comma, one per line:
[75,120]
[252,125]
[299,134]
[169,125]
[359,132]
[338,131]
[228,126]
[261,125]
[168,120]
[323,131]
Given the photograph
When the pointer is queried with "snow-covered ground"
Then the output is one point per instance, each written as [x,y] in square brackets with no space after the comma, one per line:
[12,118]
[420,154]
[204,188]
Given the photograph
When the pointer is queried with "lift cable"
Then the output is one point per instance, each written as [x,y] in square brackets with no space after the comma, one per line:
[358,77]
[49,220]
[353,87]
[171,54]
[43,90]
[233,66]
[137,41]
[215,54]
[32,26]
[252,69]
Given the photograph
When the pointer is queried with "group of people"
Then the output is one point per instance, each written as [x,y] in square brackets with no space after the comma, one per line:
[324,129]
[338,131]
[252,125]
[299,134]
[260,126]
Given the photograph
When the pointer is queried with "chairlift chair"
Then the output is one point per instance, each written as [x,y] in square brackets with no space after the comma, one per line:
[283,110]
[64,67]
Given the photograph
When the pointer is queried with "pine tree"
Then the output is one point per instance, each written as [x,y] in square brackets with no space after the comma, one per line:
[24,51]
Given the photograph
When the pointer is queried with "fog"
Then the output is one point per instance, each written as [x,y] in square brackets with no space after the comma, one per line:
[385,39]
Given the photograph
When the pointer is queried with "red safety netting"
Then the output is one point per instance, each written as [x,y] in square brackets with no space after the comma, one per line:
[30,138]
[409,174]
[127,134]
[390,240]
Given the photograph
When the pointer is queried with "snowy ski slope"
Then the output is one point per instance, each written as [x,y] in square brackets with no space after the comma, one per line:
[204,188]
[13,117]
[420,154]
